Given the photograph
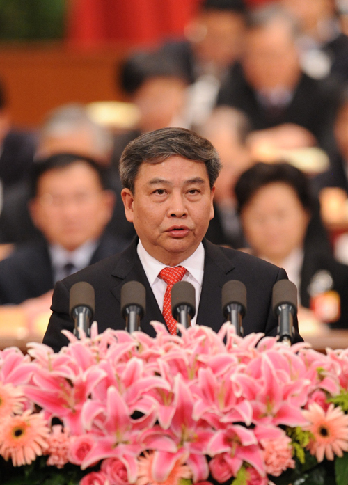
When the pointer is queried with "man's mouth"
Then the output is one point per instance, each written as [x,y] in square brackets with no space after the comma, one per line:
[178,231]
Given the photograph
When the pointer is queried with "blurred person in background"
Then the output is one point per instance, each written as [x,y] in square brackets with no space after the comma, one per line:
[227,129]
[323,45]
[337,175]
[16,147]
[282,225]
[272,89]
[212,45]
[67,128]
[156,85]
[70,205]
[332,185]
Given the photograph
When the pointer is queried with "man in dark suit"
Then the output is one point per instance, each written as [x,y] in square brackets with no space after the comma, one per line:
[71,207]
[212,44]
[270,86]
[168,177]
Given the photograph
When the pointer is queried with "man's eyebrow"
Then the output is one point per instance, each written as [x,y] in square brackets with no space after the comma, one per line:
[158,180]
[194,180]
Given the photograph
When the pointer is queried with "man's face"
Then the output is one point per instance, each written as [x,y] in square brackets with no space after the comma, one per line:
[221,34]
[271,58]
[71,207]
[171,207]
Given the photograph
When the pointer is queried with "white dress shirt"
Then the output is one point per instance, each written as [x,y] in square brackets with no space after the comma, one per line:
[80,258]
[194,275]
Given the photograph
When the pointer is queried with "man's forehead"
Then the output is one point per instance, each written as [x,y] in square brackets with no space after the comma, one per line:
[172,167]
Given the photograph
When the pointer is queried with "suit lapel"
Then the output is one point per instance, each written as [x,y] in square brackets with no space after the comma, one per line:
[129,268]
[217,269]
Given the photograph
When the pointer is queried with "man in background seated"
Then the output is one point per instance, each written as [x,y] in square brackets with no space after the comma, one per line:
[212,44]
[71,208]
[281,224]
[67,128]
[156,86]
[272,89]
[168,179]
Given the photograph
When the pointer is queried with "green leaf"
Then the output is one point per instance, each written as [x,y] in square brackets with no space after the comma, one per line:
[341,400]
[341,469]
[241,477]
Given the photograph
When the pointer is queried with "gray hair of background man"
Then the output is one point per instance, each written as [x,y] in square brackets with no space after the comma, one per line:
[156,146]
[230,120]
[261,17]
[72,118]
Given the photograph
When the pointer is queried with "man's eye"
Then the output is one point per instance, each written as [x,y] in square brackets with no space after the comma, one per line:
[194,191]
[159,191]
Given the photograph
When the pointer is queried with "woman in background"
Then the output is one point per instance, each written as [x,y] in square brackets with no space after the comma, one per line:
[281,223]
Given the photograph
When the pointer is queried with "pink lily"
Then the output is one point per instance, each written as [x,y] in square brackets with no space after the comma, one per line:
[237,444]
[117,435]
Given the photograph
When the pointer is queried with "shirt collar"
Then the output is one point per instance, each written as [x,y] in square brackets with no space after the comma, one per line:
[194,264]
[80,257]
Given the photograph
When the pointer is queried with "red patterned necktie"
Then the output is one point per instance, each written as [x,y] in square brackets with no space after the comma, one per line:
[170,276]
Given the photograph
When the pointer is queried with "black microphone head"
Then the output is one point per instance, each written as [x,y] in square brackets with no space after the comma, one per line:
[82,294]
[284,293]
[183,293]
[133,293]
[233,291]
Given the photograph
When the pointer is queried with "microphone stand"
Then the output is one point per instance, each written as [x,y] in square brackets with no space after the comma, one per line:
[183,315]
[234,315]
[82,317]
[286,318]
[133,315]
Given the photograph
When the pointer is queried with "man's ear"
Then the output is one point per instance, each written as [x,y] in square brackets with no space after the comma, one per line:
[211,215]
[128,199]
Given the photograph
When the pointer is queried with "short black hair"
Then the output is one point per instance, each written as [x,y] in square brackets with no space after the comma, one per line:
[237,6]
[156,146]
[262,174]
[61,160]
[143,65]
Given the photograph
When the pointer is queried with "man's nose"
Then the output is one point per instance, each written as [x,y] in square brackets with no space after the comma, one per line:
[177,206]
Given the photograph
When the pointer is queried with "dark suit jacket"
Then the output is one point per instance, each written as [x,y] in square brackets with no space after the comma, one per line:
[313,106]
[28,273]
[317,260]
[221,265]
[17,154]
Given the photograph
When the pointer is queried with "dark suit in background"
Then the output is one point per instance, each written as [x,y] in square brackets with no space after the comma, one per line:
[221,265]
[16,156]
[28,271]
[315,261]
[313,105]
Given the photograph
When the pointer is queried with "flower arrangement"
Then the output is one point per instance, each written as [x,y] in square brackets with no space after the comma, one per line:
[118,409]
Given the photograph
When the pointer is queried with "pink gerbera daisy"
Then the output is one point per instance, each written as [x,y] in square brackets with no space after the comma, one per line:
[145,476]
[11,400]
[329,430]
[24,437]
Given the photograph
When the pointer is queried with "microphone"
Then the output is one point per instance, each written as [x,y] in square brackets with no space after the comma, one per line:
[284,303]
[82,306]
[132,304]
[233,299]
[183,303]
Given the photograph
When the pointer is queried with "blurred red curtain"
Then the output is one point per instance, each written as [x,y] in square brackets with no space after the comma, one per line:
[133,22]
